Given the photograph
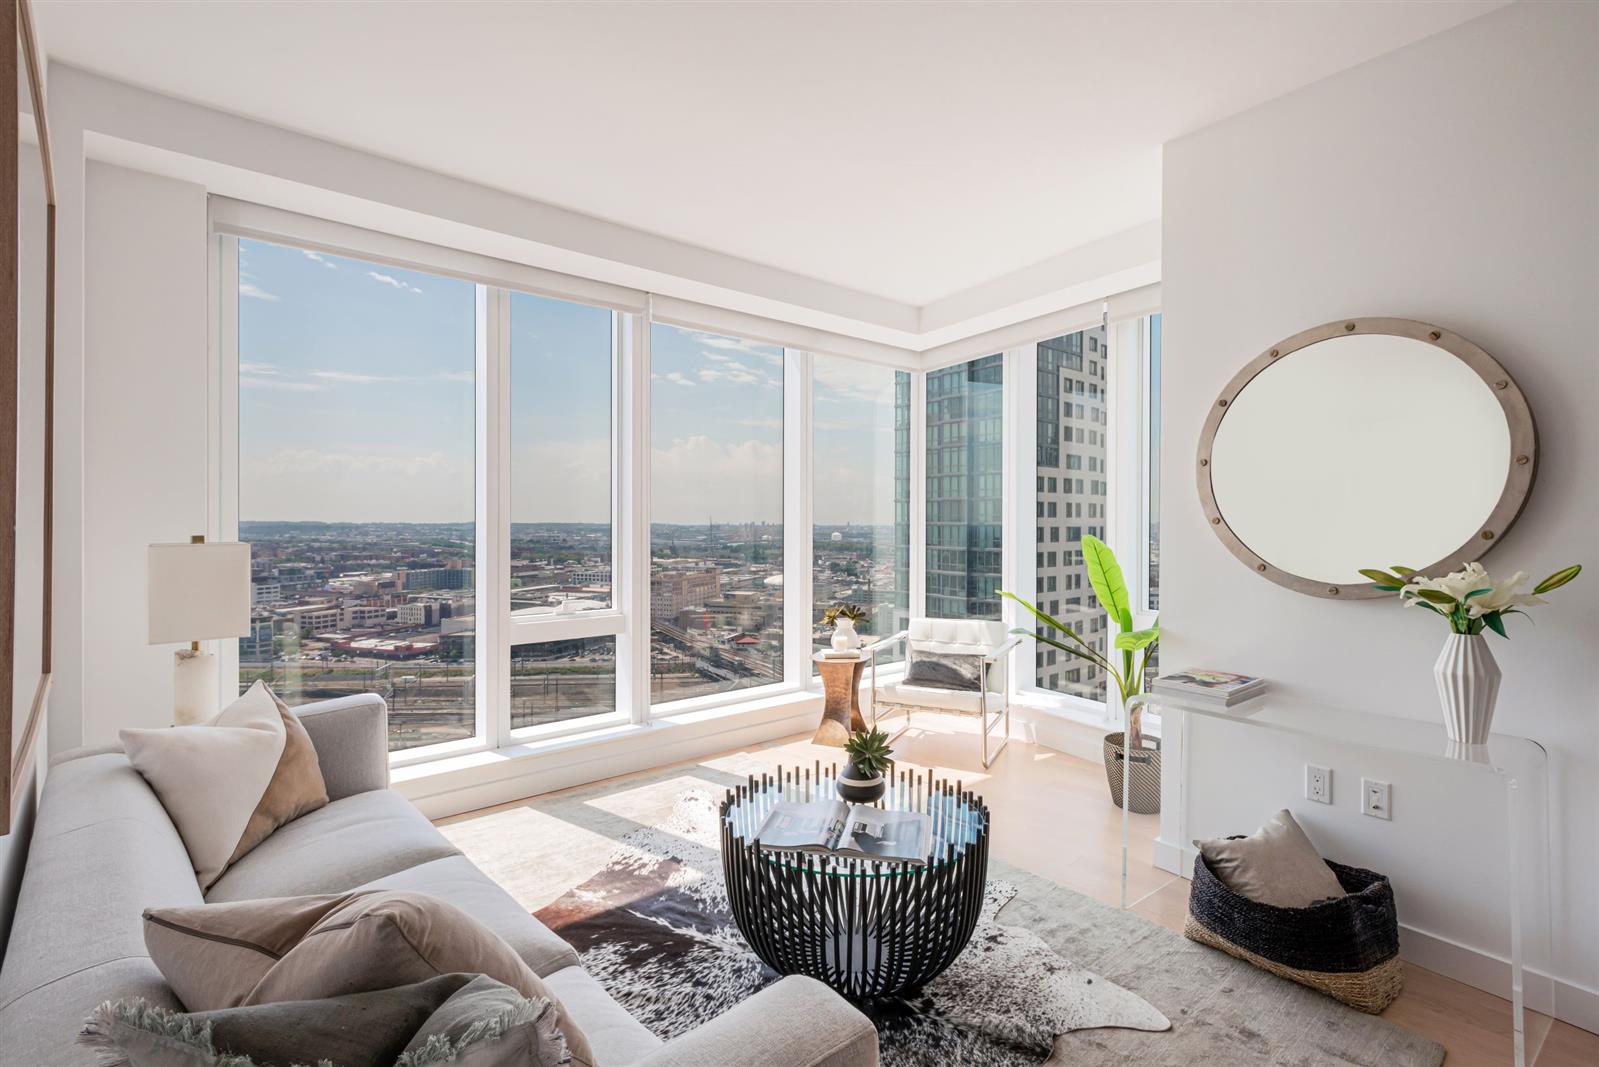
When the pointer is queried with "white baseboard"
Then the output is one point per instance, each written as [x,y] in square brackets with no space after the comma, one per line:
[1564,1000]
[481,780]
[1062,734]
[1173,858]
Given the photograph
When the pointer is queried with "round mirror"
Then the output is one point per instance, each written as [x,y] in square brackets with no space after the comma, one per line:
[1365,443]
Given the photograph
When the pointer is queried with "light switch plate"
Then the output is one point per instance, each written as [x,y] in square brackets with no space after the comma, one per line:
[1376,799]
[1318,783]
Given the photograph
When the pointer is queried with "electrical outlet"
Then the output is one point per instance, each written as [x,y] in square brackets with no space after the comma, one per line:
[1376,799]
[1318,784]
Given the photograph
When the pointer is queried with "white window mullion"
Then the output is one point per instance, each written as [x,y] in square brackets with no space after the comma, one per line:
[797,533]
[918,494]
[223,426]
[1124,450]
[493,578]
[630,542]
[1018,540]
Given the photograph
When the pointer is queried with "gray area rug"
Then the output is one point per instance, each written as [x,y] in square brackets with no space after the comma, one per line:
[654,928]
[1222,1010]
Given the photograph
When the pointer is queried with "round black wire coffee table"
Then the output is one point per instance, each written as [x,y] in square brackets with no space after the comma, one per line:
[868,928]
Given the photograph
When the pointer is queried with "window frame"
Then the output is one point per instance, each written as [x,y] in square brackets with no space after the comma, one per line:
[634,312]
[1127,463]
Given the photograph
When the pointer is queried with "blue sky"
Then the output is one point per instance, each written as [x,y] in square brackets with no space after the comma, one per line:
[355,390]
[356,404]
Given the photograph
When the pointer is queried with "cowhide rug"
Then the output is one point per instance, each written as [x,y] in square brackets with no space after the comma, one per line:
[654,928]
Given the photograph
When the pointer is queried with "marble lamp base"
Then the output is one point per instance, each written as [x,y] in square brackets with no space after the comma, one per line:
[194,687]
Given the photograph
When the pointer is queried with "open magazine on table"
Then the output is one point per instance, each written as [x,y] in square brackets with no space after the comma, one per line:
[856,830]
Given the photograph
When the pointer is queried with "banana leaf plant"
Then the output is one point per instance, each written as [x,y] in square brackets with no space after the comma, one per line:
[1110,589]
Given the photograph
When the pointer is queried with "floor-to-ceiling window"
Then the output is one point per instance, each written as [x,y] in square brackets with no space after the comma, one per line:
[1070,500]
[716,528]
[965,488]
[860,443]
[356,487]
[562,358]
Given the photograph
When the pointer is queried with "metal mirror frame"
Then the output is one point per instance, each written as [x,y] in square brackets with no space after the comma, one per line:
[1518,481]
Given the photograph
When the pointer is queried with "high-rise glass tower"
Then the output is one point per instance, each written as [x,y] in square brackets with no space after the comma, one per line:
[965,475]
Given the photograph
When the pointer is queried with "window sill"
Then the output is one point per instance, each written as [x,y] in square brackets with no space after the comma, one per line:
[526,768]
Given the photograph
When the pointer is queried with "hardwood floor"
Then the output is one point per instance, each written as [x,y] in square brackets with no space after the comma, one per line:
[1053,816]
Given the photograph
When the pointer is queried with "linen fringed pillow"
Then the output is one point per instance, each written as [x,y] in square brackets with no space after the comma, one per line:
[460,1020]
[305,948]
[230,782]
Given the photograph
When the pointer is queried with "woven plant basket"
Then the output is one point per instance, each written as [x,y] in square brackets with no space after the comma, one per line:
[1143,775]
[1347,948]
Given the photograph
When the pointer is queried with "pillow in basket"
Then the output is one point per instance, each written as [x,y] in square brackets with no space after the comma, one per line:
[1275,865]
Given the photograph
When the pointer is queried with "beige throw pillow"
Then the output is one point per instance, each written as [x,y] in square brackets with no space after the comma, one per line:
[1275,865]
[306,948]
[211,778]
[296,789]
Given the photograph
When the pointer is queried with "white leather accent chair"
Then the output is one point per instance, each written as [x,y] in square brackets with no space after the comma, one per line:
[988,641]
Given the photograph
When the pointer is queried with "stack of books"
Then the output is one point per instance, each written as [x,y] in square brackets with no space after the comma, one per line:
[1221,688]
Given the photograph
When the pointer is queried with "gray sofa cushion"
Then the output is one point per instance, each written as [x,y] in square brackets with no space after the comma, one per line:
[90,786]
[614,1035]
[333,849]
[457,880]
[39,1028]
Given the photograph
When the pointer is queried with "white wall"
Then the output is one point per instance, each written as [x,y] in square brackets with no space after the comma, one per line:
[1455,181]
[145,447]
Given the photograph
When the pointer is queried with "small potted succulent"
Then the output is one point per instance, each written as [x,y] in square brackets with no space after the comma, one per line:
[1472,602]
[862,780]
[843,617]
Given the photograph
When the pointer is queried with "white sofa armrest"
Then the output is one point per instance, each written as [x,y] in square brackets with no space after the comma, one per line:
[796,1022]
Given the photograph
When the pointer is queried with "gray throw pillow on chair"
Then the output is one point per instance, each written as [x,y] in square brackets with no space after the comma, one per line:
[945,670]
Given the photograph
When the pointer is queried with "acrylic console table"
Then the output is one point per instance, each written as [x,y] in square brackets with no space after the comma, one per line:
[1472,848]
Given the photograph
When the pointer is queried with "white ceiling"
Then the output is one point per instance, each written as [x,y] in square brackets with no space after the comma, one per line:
[907,150]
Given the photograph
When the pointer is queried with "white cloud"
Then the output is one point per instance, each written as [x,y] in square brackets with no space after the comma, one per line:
[391,280]
[258,368]
[695,477]
[842,379]
[458,376]
[318,257]
[677,378]
[354,379]
[735,344]
[249,382]
[255,292]
[351,485]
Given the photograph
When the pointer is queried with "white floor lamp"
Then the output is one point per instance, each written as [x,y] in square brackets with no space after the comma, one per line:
[198,591]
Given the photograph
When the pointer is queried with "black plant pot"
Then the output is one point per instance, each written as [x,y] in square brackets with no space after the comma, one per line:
[859,788]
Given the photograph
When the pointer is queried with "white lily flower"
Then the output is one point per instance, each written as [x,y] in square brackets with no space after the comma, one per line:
[1456,585]
[1503,597]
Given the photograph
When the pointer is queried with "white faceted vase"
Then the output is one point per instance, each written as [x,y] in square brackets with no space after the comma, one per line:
[1468,685]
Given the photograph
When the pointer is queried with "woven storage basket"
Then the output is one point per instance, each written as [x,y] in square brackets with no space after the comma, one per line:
[1347,948]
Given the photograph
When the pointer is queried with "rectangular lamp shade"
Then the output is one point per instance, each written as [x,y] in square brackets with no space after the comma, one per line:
[199,591]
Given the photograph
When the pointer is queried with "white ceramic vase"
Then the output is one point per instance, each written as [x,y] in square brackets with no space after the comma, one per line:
[844,636]
[1468,685]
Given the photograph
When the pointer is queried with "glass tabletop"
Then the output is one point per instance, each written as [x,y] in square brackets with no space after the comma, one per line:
[959,817]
